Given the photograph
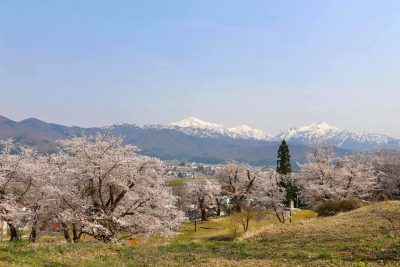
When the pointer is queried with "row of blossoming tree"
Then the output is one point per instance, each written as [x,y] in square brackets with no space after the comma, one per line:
[99,187]
[363,176]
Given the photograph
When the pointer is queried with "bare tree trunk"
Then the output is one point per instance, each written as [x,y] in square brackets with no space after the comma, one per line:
[238,206]
[247,221]
[33,235]
[67,236]
[281,220]
[2,230]
[218,209]
[204,214]
[13,233]
[195,226]
[75,235]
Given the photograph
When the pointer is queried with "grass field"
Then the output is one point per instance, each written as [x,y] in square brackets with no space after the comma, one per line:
[349,239]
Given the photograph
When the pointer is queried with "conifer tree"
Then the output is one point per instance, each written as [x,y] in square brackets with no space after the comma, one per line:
[285,169]
[283,165]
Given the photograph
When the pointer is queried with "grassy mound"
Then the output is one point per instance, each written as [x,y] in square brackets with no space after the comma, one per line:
[349,239]
[344,238]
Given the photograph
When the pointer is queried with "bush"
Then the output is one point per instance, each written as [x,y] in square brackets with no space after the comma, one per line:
[333,207]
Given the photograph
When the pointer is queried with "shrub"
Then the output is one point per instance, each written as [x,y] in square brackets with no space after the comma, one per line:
[333,207]
[233,228]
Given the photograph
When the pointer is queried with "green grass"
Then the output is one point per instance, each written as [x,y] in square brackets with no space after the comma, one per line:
[220,229]
[349,239]
[176,182]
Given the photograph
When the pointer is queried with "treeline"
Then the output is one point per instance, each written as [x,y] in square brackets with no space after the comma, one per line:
[99,187]
[323,179]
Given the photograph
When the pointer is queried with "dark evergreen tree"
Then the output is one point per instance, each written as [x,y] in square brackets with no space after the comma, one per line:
[285,169]
[283,165]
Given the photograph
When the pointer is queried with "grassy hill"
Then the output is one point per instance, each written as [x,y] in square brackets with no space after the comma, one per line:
[349,239]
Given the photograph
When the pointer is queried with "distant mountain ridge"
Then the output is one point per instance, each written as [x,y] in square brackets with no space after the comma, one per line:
[346,139]
[195,126]
[196,140]
[164,142]
[317,132]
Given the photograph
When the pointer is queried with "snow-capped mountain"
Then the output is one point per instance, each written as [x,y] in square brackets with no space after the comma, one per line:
[195,140]
[307,134]
[317,132]
[195,126]
[347,139]
[248,132]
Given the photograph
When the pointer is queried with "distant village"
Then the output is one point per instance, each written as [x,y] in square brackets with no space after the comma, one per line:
[189,170]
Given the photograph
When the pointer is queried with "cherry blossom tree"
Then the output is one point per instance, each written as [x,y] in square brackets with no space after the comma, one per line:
[317,176]
[14,184]
[387,163]
[65,193]
[36,199]
[237,181]
[24,178]
[357,177]
[327,177]
[241,182]
[202,196]
[250,189]
[106,188]
[269,193]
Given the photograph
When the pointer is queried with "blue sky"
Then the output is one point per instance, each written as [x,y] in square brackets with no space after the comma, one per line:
[269,64]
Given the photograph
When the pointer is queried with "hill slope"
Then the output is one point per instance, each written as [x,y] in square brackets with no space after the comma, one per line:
[349,239]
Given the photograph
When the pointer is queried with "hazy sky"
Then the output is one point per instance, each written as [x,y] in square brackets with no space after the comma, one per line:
[269,64]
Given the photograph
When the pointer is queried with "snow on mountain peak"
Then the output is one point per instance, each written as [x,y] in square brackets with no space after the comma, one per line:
[246,131]
[310,132]
[323,132]
[195,126]
[320,126]
[193,122]
[242,131]
[319,132]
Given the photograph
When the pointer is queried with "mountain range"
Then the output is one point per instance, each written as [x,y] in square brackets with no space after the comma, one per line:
[316,132]
[196,140]
[195,126]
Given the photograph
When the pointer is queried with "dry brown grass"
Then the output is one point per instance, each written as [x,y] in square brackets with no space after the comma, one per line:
[357,223]
[356,238]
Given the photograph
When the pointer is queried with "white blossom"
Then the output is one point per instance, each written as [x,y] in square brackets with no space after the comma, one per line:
[107,188]
[327,177]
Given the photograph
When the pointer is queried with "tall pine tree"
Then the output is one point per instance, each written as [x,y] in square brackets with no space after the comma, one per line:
[285,169]
[283,165]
